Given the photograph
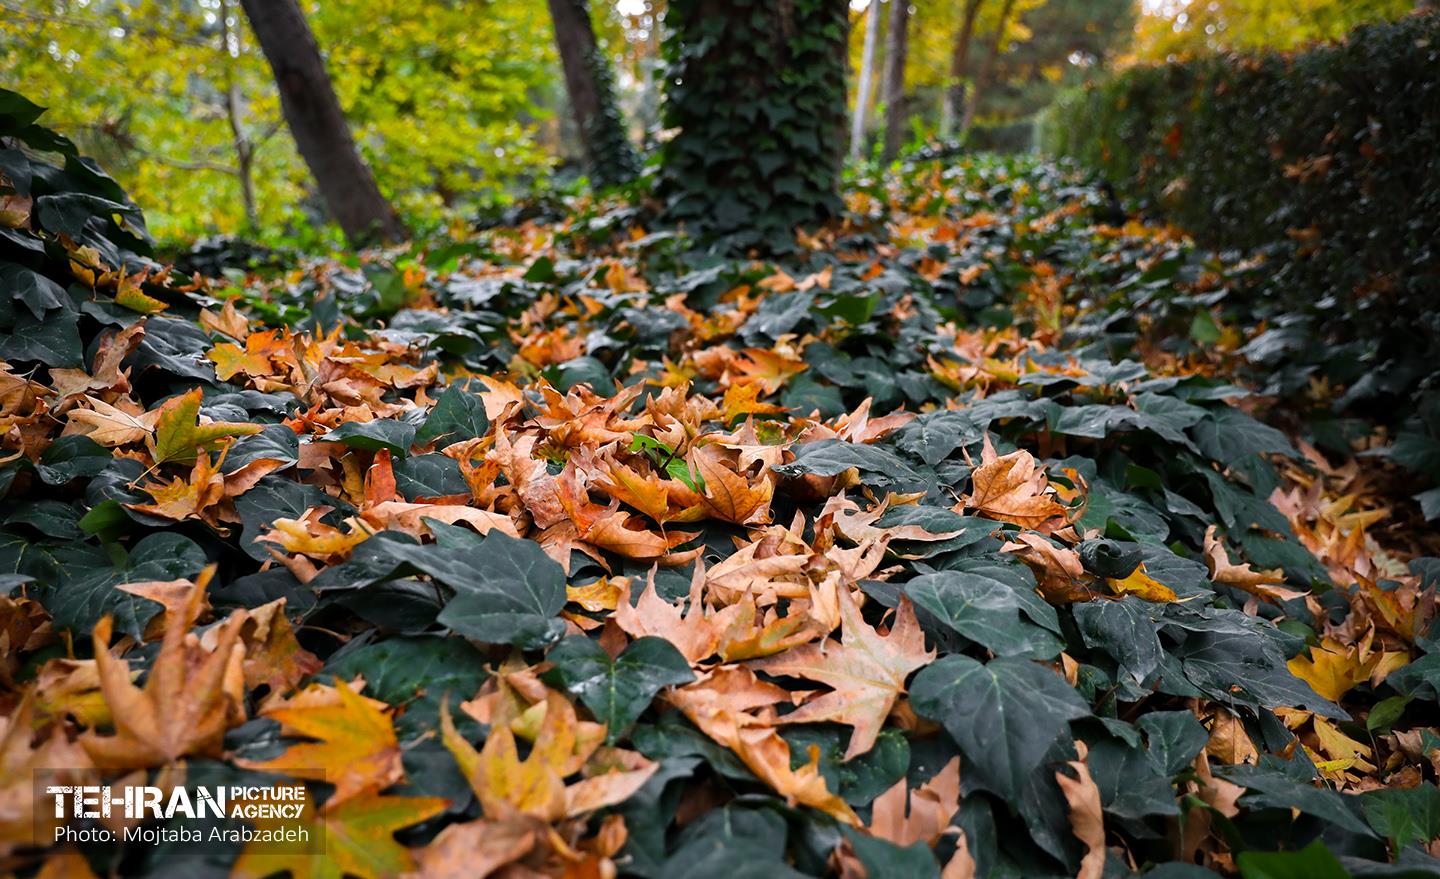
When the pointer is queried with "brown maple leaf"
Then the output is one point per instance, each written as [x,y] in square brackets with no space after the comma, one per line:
[905,817]
[1009,488]
[1061,576]
[735,708]
[695,633]
[729,495]
[865,670]
[1261,584]
[112,425]
[23,756]
[192,695]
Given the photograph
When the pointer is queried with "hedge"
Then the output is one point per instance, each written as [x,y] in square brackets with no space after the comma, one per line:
[1327,161]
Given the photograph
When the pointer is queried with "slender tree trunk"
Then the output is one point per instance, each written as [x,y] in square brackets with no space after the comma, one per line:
[954,97]
[867,76]
[318,124]
[897,50]
[234,114]
[982,82]
[608,153]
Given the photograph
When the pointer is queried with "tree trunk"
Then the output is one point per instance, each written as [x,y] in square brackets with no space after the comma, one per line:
[318,125]
[982,81]
[755,90]
[608,154]
[867,76]
[897,50]
[234,112]
[954,97]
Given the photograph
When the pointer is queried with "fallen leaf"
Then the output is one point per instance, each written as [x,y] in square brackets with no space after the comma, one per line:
[865,670]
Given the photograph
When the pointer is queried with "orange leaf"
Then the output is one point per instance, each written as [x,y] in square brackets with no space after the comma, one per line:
[356,750]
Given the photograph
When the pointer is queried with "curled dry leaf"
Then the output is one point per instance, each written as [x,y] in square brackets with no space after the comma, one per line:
[1086,820]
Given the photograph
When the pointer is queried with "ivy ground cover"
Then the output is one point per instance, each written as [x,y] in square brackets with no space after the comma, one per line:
[568,549]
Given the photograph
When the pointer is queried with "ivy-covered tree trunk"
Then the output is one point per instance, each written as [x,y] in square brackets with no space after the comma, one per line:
[313,114]
[609,156]
[756,90]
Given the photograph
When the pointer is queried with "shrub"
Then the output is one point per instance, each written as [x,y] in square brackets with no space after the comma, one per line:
[1323,160]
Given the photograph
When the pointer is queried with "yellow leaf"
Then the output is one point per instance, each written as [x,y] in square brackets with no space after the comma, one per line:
[358,837]
[356,751]
[1143,585]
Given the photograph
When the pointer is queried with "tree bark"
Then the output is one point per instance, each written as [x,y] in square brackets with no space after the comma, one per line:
[897,51]
[982,81]
[313,114]
[867,76]
[954,97]
[608,154]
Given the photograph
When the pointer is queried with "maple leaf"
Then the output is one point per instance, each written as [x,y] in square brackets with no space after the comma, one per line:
[356,751]
[72,687]
[359,840]
[1141,584]
[536,786]
[905,817]
[720,704]
[23,755]
[1010,489]
[192,695]
[111,426]
[1261,584]
[273,657]
[744,399]
[613,532]
[663,500]
[178,435]
[107,374]
[1058,569]
[729,495]
[129,292]
[693,632]
[255,358]
[228,321]
[183,497]
[479,848]
[1333,668]
[866,671]
[752,570]
[311,537]
[765,367]
[748,635]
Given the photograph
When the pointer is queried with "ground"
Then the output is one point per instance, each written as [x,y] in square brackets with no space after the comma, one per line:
[971,490]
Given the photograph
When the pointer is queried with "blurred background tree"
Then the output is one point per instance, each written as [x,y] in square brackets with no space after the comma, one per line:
[461,104]
[1174,29]
[446,104]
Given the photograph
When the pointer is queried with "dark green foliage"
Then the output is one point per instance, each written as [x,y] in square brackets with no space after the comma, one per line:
[48,316]
[1326,159]
[756,90]
[1163,456]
